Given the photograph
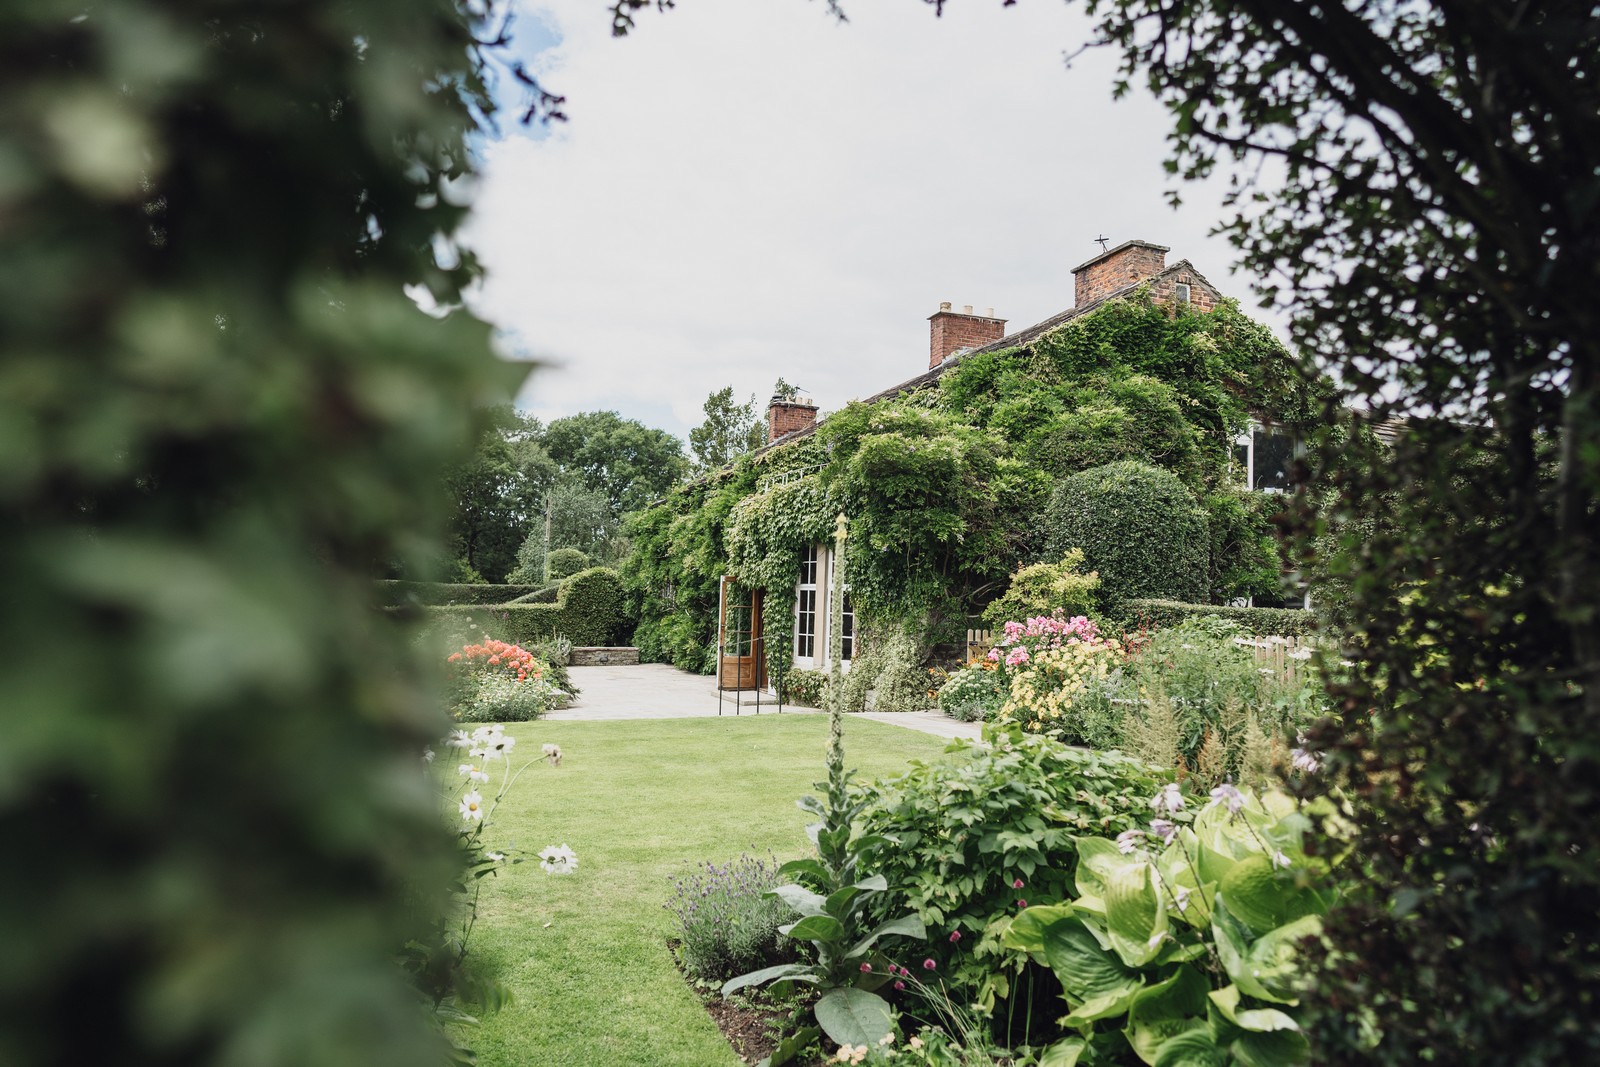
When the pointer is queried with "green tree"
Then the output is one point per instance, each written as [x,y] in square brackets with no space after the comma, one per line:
[497,496]
[730,430]
[629,462]
[579,518]
[219,413]
[1435,236]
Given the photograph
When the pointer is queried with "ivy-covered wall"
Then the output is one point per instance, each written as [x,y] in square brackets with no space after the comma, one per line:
[945,488]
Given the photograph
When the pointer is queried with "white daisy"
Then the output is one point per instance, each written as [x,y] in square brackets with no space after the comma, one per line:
[560,860]
[471,771]
[472,806]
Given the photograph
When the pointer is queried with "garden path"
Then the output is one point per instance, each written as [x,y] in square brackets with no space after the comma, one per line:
[658,691]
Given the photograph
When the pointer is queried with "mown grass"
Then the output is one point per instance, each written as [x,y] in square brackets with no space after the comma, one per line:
[585,954]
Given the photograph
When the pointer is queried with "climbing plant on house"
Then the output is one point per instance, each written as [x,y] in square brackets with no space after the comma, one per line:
[946,488]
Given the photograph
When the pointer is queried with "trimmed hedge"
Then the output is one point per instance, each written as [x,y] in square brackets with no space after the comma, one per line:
[1139,526]
[588,611]
[1262,622]
[565,562]
[393,593]
[548,595]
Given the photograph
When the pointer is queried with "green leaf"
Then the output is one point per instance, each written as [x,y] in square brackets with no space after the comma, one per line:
[854,1016]
[809,867]
[905,926]
[791,1047]
[1165,1010]
[801,899]
[1063,1053]
[1192,1048]
[877,883]
[1277,1048]
[1275,957]
[1233,949]
[1263,899]
[1025,933]
[814,928]
[1097,858]
[791,972]
[1258,1020]
[838,902]
[1136,916]
[1086,970]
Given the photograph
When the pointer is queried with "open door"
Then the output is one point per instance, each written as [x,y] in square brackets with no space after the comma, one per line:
[741,658]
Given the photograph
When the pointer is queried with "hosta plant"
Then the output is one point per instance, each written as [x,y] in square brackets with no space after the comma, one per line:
[1181,947]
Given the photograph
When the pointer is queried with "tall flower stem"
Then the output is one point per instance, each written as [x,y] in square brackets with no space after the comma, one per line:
[838,781]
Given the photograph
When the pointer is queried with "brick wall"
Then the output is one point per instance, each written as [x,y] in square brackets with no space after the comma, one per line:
[952,331]
[787,416]
[1127,264]
[1201,296]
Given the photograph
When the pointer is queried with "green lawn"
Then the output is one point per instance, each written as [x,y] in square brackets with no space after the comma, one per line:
[585,954]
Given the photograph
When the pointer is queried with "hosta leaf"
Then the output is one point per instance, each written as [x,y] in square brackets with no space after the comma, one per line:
[1086,970]
[1278,1048]
[1106,1006]
[1192,1048]
[1165,1010]
[1064,1053]
[1274,958]
[1233,949]
[1258,1020]
[1026,931]
[853,1016]
[1136,916]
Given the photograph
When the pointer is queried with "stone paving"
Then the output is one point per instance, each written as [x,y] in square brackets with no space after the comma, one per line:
[658,691]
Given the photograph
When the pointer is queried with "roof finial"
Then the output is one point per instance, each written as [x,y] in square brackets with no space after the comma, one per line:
[1103,239]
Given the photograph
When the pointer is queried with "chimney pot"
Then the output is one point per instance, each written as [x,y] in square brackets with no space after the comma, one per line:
[988,312]
[950,332]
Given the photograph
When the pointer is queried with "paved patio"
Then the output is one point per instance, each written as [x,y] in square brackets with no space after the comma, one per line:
[657,691]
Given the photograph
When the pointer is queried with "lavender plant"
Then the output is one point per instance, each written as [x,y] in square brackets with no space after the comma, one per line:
[727,920]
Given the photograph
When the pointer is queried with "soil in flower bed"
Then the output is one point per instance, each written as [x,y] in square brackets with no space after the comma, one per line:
[750,1020]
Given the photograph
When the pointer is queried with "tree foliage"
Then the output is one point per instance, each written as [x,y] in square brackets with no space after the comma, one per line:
[497,496]
[1436,236]
[221,416]
[730,430]
[626,460]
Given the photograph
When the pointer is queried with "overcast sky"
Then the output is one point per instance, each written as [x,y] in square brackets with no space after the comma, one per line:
[747,189]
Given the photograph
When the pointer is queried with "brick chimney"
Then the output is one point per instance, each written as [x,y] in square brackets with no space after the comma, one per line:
[950,332]
[785,415]
[1127,264]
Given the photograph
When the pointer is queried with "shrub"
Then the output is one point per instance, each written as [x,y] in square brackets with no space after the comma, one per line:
[1046,589]
[565,562]
[960,832]
[1139,527]
[588,610]
[392,593]
[1065,692]
[1182,940]
[493,681]
[972,693]
[727,924]
[805,688]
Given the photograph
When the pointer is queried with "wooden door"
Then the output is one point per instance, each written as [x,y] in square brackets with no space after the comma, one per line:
[741,659]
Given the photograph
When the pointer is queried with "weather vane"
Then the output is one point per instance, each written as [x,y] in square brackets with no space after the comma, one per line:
[1103,239]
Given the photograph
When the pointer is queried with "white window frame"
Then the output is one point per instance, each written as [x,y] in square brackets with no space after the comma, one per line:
[811,557]
[821,588]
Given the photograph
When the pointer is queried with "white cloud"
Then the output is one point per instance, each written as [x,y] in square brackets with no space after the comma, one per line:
[747,190]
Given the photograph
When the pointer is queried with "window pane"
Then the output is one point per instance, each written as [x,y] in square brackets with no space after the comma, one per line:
[1274,453]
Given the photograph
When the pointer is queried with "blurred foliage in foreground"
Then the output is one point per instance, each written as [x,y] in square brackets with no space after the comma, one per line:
[220,413]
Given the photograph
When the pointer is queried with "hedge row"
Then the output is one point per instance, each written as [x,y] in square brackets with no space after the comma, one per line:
[587,611]
[1263,622]
[392,593]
